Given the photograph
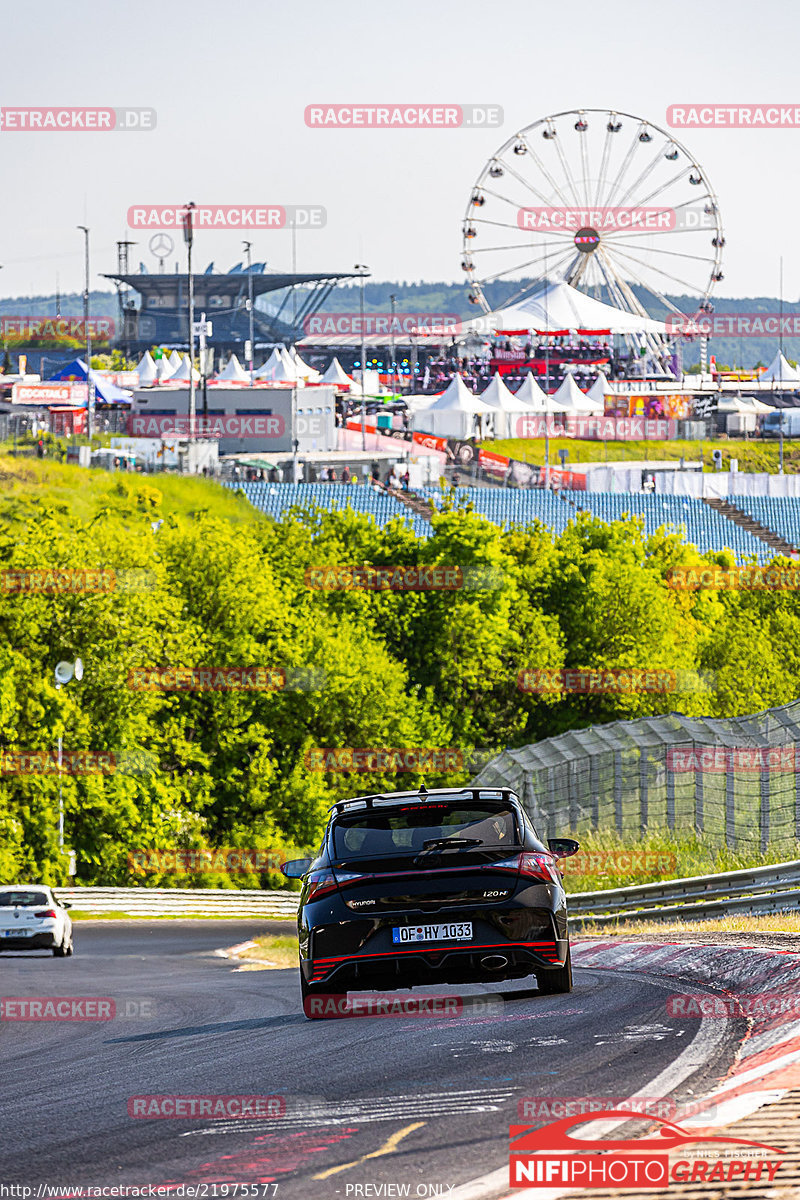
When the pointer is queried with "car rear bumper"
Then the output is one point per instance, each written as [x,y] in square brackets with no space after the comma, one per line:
[39,941]
[407,967]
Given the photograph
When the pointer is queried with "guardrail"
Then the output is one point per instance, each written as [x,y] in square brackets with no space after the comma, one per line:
[753,891]
[174,902]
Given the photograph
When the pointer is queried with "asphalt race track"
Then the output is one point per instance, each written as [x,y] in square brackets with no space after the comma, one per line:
[418,1101]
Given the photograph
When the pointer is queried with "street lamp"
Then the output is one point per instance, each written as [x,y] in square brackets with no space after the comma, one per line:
[64,672]
[247,246]
[188,237]
[89,383]
[363,269]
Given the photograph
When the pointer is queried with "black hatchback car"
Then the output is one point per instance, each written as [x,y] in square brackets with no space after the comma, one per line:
[446,886]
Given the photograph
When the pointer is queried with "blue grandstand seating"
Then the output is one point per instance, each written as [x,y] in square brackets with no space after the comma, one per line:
[276,498]
[698,524]
[781,514]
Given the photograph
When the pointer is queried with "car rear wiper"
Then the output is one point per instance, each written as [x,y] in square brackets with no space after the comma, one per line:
[442,843]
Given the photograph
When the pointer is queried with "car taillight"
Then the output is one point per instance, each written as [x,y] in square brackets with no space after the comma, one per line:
[48,912]
[537,865]
[321,883]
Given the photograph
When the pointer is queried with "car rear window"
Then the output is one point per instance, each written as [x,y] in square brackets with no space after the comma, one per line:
[23,899]
[406,829]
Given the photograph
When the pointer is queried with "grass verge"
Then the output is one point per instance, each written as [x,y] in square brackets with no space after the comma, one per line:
[772,923]
[752,455]
[276,951]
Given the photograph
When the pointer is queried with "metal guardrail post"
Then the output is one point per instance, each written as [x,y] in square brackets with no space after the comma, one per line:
[643,784]
[796,796]
[618,790]
[573,780]
[730,804]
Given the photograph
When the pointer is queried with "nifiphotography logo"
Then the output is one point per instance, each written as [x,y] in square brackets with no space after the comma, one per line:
[548,1157]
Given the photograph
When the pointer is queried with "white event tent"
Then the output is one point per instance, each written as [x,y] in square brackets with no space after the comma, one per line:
[303,370]
[336,375]
[233,372]
[147,370]
[454,413]
[164,370]
[508,407]
[561,306]
[780,371]
[182,373]
[532,396]
[599,390]
[175,360]
[570,398]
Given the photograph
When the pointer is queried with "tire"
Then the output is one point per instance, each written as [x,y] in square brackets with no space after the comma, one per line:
[65,950]
[307,992]
[558,982]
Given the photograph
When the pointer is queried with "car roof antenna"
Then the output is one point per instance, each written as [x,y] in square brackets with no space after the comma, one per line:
[423,791]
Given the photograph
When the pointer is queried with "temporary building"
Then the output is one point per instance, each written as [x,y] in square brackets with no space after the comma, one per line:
[182,373]
[175,360]
[146,369]
[265,371]
[559,307]
[780,371]
[531,395]
[233,372]
[570,398]
[164,370]
[599,390]
[105,391]
[336,375]
[456,413]
[506,405]
[304,371]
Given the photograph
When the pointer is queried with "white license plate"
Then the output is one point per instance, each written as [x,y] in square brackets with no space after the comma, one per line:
[16,933]
[455,931]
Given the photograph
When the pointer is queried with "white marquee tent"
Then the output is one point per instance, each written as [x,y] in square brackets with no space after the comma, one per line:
[233,372]
[533,396]
[182,373]
[508,407]
[780,371]
[599,390]
[303,370]
[175,360]
[164,370]
[336,375]
[561,306]
[147,370]
[570,398]
[457,413]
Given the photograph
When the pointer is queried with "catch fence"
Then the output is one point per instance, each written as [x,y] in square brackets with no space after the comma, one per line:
[736,781]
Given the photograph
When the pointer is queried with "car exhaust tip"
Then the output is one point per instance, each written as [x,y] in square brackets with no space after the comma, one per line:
[494,962]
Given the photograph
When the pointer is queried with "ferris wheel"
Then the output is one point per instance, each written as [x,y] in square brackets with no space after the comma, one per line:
[606,201]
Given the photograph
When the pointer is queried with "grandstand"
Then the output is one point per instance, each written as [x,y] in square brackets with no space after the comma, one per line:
[781,514]
[275,499]
[696,522]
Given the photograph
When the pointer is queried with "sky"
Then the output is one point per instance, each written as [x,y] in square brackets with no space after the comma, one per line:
[230,84]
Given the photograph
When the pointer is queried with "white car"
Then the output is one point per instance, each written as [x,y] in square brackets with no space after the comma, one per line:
[31,918]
